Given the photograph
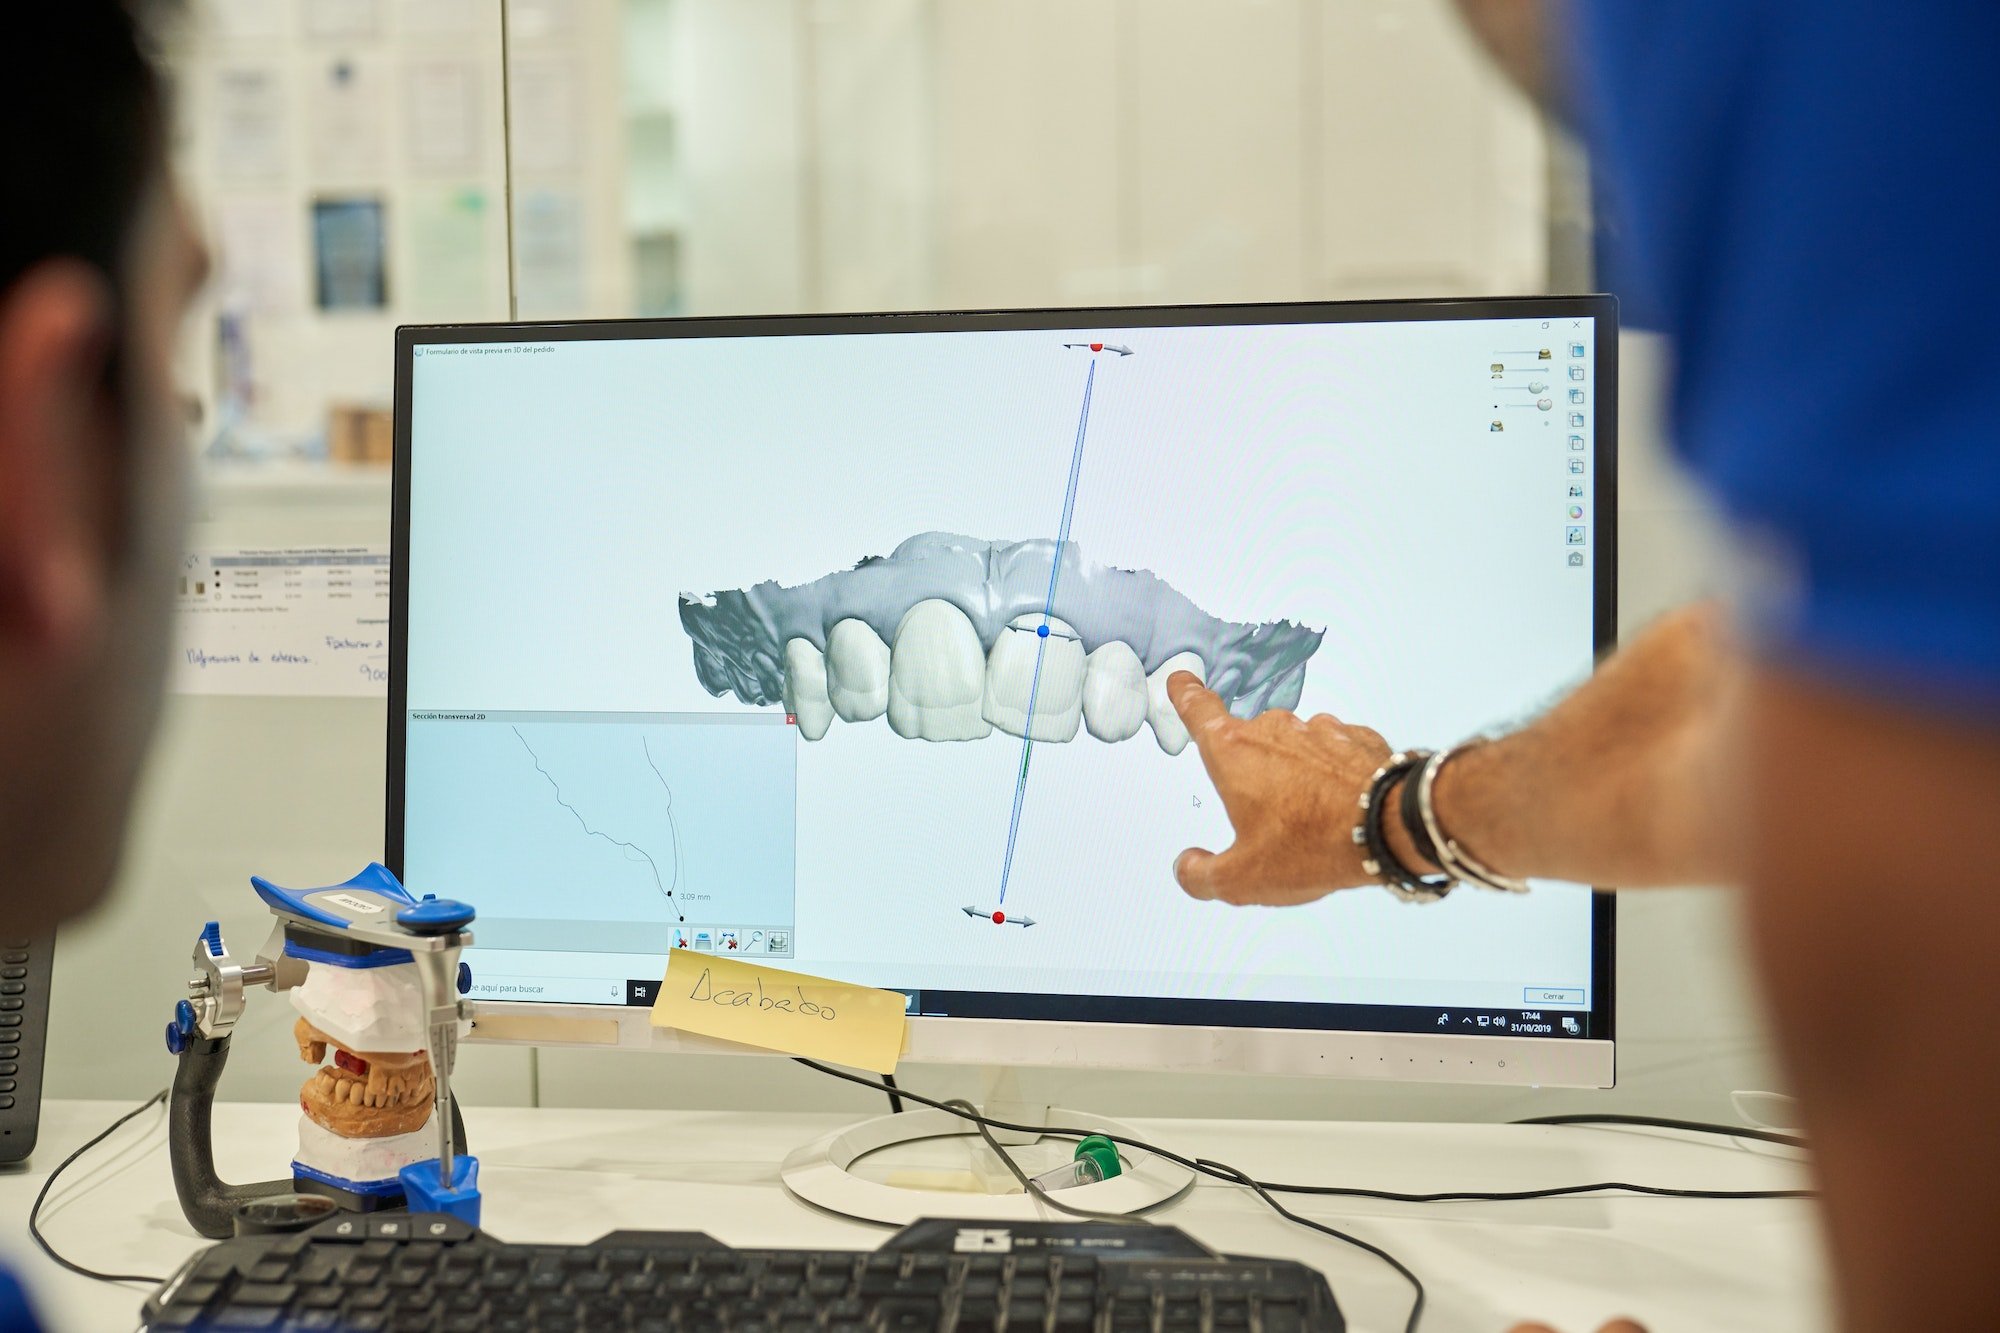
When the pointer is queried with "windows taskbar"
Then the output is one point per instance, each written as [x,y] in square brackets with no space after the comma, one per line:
[1021,1007]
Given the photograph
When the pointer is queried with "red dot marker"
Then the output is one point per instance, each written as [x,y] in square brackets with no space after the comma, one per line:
[999,918]
[1097,347]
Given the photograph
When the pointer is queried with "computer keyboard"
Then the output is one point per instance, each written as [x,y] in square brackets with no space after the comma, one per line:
[409,1272]
[24,1022]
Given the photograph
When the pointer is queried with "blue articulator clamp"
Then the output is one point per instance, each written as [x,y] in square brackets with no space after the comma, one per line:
[425,1187]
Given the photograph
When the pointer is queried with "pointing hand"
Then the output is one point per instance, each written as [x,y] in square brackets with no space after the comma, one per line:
[1291,788]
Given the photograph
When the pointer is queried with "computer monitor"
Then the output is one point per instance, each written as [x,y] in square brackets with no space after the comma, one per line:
[838,643]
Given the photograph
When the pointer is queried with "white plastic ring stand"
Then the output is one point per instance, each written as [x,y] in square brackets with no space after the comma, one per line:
[820,1173]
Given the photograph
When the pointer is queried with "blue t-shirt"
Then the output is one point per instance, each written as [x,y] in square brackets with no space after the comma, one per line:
[1806,198]
[16,1314]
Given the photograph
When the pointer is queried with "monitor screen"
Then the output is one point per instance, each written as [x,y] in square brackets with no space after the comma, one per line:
[839,644]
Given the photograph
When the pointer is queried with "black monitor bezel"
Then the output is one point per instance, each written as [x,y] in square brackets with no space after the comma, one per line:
[1601,309]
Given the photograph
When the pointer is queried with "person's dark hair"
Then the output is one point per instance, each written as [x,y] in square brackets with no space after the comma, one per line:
[84,134]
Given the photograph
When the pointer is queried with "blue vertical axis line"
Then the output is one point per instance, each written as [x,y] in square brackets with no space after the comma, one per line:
[1042,639]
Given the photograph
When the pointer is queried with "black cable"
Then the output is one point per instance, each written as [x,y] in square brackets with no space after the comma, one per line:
[1266,1189]
[35,1212]
[895,1094]
[1217,1170]
[1027,1183]
[1234,1176]
[1662,1122]
[1221,1171]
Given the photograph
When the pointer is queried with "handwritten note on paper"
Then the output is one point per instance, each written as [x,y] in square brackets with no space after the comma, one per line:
[781,1011]
[301,621]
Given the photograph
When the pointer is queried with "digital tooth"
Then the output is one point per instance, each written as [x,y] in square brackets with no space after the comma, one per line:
[1114,692]
[1012,683]
[1168,729]
[857,672]
[937,673]
[805,688]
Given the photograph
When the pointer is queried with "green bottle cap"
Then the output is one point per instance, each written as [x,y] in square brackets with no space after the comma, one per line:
[1102,1151]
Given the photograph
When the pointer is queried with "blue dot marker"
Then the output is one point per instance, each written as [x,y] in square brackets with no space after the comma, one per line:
[1043,631]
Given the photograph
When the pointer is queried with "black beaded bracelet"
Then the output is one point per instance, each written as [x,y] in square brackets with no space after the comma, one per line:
[1410,806]
[1377,857]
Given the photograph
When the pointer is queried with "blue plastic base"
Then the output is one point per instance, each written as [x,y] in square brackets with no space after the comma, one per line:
[388,1188]
[428,1193]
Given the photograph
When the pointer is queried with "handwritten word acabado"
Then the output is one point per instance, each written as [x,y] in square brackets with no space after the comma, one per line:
[704,992]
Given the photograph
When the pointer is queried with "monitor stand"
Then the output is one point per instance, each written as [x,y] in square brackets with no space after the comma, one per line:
[821,1174]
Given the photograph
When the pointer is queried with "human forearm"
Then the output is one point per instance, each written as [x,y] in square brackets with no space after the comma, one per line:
[1622,783]
[1874,906]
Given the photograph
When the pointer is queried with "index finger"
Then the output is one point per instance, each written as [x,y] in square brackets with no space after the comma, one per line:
[1201,708]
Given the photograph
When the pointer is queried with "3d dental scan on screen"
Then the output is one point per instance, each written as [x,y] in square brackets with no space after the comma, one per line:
[780,638]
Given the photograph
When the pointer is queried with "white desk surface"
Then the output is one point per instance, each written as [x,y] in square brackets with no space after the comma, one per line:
[569,1176]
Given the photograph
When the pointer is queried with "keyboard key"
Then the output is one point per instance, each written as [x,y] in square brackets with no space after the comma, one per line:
[196,1293]
[10,1052]
[12,973]
[14,955]
[6,1102]
[245,1318]
[13,987]
[1075,1316]
[10,1021]
[1282,1318]
[175,1317]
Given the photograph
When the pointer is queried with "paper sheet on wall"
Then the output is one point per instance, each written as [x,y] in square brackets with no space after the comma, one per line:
[342,18]
[538,19]
[439,16]
[262,263]
[548,253]
[246,18]
[543,117]
[449,261]
[250,135]
[443,120]
[346,104]
[291,621]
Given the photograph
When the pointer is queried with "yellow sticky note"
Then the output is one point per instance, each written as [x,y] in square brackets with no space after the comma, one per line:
[781,1011]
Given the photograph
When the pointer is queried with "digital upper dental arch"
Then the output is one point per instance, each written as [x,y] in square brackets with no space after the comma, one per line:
[949,638]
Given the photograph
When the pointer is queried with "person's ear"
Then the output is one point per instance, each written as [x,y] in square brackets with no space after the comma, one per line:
[58,445]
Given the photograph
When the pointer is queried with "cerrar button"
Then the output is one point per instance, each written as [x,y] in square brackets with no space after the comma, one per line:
[1552,995]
